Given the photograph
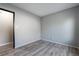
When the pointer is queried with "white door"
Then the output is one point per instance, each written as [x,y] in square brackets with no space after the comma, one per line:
[6,27]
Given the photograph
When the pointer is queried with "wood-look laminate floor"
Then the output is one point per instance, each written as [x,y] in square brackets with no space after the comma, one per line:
[6,47]
[41,48]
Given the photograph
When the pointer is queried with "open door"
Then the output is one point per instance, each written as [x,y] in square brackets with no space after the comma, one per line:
[7,38]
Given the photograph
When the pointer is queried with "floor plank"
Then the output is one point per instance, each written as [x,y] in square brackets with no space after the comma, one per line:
[41,48]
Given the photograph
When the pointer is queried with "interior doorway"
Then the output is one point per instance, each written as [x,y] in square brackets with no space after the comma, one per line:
[7,36]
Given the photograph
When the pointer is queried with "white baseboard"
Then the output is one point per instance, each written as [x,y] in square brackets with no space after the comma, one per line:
[5,44]
[61,43]
[26,43]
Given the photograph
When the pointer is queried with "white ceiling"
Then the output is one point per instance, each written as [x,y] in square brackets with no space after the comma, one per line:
[43,9]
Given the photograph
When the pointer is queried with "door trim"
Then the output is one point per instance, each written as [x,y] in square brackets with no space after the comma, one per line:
[13,24]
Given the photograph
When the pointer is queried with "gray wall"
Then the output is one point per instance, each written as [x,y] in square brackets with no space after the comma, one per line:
[62,27]
[27,26]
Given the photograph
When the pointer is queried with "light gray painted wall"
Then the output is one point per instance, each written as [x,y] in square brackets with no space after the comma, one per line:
[62,27]
[27,25]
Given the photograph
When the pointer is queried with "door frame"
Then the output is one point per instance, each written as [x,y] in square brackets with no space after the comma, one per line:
[13,24]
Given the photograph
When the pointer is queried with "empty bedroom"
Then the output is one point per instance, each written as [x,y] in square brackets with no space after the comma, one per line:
[39,29]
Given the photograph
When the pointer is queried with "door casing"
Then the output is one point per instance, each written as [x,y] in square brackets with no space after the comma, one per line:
[13,24]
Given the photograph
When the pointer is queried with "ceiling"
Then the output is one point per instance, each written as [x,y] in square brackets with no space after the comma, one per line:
[43,9]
